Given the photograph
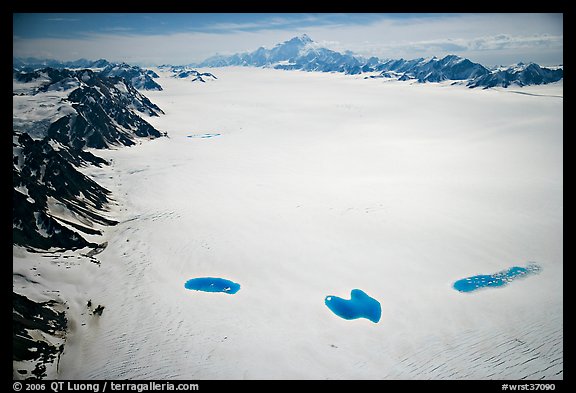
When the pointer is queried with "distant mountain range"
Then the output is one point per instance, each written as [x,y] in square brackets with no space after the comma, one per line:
[138,77]
[301,53]
[32,63]
[186,72]
[520,74]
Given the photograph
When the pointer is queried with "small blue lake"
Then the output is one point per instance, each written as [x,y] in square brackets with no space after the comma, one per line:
[212,284]
[499,279]
[360,305]
[203,136]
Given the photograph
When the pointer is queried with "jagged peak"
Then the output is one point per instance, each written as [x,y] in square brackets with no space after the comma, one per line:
[302,39]
[301,52]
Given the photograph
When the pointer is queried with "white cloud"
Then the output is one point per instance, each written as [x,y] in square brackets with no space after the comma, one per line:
[179,48]
[62,19]
[487,38]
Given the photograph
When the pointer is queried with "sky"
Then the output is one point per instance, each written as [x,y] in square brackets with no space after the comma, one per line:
[183,38]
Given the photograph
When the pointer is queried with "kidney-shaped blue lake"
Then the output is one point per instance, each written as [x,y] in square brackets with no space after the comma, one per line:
[360,305]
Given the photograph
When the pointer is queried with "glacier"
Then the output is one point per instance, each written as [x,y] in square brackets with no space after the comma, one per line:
[316,183]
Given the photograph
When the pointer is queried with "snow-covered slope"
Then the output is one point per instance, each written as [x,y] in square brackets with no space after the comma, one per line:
[134,75]
[81,108]
[315,185]
[55,205]
[58,212]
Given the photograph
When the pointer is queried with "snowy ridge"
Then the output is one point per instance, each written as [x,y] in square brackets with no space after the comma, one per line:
[301,53]
[298,53]
[186,72]
[49,190]
[55,208]
[520,75]
[58,211]
[81,108]
[450,67]
[138,77]
[32,63]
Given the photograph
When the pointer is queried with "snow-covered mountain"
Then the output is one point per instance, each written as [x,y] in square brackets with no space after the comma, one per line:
[186,72]
[450,67]
[298,53]
[33,63]
[88,109]
[520,74]
[57,113]
[301,53]
[138,77]
[54,205]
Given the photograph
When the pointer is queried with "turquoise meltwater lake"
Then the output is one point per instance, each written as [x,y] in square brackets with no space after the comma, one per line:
[498,279]
[212,284]
[360,305]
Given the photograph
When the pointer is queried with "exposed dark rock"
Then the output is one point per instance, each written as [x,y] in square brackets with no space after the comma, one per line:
[28,315]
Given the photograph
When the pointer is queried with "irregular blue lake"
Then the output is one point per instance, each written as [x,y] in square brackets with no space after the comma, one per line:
[499,279]
[203,135]
[212,284]
[360,305]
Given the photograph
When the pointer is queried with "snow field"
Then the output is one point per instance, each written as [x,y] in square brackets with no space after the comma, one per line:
[318,184]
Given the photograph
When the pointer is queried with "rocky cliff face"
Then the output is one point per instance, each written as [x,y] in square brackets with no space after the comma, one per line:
[58,113]
[54,204]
